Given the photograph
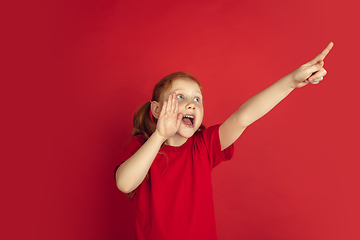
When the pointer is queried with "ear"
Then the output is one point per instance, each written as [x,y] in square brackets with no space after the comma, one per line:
[155,109]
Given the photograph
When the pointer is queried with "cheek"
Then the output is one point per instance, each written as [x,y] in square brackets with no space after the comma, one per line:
[200,113]
[182,104]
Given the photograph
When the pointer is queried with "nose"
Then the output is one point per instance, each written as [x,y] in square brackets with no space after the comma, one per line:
[190,105]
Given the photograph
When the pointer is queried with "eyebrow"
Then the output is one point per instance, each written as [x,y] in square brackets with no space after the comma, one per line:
[183,90]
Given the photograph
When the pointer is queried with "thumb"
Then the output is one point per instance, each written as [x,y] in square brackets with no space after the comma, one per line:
[316,67]
[179,119]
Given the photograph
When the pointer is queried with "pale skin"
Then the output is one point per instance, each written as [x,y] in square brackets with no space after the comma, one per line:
[185,98]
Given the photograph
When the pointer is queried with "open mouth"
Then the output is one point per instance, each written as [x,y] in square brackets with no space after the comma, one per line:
[188,120]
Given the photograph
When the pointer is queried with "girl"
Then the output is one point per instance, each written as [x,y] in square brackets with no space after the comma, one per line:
[167,165]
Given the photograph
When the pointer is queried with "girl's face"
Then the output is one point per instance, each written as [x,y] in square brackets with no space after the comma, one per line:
[190,105]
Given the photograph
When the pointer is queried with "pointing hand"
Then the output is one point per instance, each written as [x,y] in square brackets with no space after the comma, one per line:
[311,72]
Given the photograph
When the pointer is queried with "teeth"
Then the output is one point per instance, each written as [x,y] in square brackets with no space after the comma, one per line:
[188,116]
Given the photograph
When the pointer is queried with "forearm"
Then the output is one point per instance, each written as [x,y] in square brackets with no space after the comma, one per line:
[260,104]
[132,172]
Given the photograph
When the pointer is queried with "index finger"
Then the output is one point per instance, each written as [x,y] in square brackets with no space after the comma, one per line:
[323,54]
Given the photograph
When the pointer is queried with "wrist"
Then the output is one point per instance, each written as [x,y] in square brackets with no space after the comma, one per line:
[291,81]
[159,136]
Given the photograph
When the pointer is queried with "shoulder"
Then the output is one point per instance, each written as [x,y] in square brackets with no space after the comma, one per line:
[133,145]
[208,137]
[208,133]
[211,139]
[138,139]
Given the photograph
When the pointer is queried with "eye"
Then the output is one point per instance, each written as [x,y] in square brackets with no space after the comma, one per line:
[197,99]
[180,96]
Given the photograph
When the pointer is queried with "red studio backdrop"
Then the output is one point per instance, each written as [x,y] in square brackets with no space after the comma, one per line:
[77,70]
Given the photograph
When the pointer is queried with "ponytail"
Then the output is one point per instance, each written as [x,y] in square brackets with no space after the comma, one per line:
[143,122]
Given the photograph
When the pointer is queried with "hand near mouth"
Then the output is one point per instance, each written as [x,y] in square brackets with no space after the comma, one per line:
[170,118]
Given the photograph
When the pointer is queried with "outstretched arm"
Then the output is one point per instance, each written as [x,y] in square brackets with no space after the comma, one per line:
[260,104]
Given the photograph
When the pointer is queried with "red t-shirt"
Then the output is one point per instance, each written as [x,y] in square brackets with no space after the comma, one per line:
[176,201]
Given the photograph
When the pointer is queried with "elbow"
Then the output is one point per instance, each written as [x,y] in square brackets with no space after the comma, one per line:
[122,183]
[123,187]
[243,121]
[127,181]
[124,190]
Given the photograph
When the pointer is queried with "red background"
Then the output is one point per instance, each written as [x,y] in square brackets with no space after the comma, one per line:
[75,72]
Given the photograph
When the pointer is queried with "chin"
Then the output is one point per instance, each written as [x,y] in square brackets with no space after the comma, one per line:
[187,132]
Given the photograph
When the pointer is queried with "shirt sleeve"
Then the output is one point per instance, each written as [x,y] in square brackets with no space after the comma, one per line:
[212,141]
[134,145]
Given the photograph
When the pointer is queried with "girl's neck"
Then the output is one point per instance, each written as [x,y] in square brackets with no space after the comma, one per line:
[176,140]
